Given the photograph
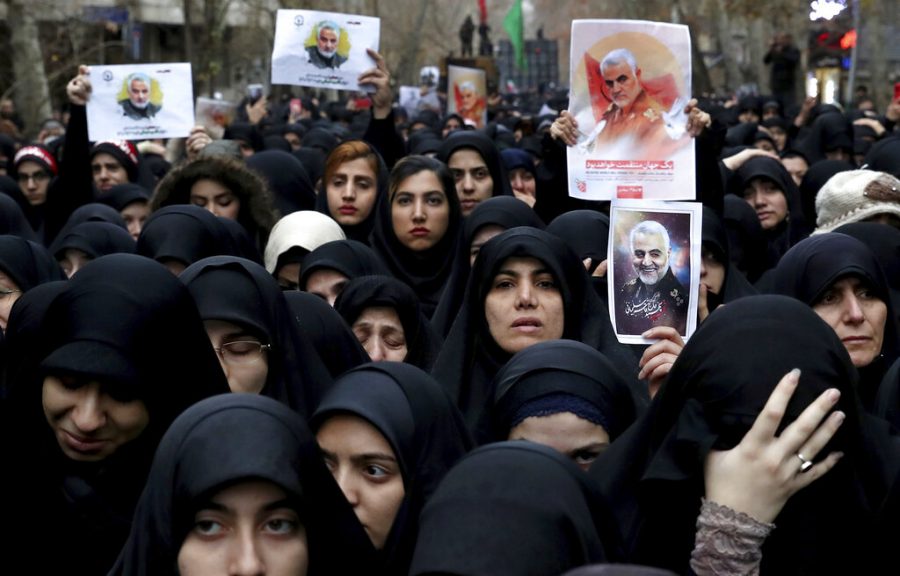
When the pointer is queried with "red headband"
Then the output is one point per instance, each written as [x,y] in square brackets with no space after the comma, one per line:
[125,146]
[42,155]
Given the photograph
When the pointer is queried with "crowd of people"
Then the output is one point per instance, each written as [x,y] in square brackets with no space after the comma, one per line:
[351,341]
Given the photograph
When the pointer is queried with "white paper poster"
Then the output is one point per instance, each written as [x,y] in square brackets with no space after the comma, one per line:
[630,81]
[215,115]
[654,267]
[468,94]
[140,102]
[323,49]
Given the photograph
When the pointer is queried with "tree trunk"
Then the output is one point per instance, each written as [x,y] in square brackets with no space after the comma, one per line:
[406,68]
[31,94]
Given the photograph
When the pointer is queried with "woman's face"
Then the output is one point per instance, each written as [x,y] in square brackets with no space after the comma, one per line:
[524,305]
[380,332]
[135,214]
[246,528]
[216,198]
[768,200]
[482,235]
[420,213]
[473,178]
[712,272]
[241,354]
[73,260]
[9,293]
[523,185]
[579,439]
[327,284]
[857,316]
[352,191]
[89,423]
[366,468]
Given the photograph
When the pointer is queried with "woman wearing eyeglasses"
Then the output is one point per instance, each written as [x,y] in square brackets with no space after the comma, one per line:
[251,328]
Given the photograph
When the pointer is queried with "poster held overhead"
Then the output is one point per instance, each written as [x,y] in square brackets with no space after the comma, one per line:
[468,94]
[630,81]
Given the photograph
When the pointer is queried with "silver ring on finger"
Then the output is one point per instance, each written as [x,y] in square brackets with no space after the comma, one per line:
[805,464]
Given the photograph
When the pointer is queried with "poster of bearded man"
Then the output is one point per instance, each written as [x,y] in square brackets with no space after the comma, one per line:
[654,267]
[630,82]
[323,49]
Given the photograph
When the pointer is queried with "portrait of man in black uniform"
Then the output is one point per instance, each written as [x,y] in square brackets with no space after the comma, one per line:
[324,54]
[137,105]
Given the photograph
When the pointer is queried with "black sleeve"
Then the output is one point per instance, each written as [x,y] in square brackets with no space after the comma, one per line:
[383,136]
[710,185]
[74,185]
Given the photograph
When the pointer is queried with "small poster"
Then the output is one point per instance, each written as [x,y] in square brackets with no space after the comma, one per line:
[630,82]
[140,102]
[215,115]
[654,270]
[323,49]
[409,99]
[468,94]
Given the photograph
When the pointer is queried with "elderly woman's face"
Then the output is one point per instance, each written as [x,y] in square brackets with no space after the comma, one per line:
[858,317]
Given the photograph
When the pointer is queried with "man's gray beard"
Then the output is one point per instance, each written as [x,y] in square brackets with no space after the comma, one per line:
[140,105]
[325,54]
[650,279]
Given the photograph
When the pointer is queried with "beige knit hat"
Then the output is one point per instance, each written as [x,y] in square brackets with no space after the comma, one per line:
[854,196]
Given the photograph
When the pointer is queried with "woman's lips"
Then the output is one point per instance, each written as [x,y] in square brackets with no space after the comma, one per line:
[527,325]
[420,231]
[348,209]
[81,443]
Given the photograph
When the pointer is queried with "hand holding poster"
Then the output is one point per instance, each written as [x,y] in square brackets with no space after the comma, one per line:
[654,254]
[468,94]
[630,82]
[323,49]
[140,101]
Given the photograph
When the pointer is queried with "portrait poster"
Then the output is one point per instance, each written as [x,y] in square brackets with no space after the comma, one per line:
[409,99]
[140,102]
[630,81]
[323,49]
[215,115]
[654,267]
[468,94]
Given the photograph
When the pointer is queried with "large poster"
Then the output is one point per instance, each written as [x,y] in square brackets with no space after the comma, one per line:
[468,94]
[630,82]
[140,102]
[323,49]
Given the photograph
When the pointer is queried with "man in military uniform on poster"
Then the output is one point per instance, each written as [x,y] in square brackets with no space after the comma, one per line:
[655,297]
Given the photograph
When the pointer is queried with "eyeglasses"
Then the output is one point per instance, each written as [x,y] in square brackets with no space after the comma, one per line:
[37,177]
[242,352]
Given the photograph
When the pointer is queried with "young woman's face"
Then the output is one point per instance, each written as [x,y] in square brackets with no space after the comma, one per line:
[73,260]
[135,214]
[524,305]
[380,332]
[216,198]
[366,468]
[246,528]
[241,354]
[420,213]
[768,200]
[473,179]
[327,284]
[857,316]
[34,181]
[9,293]
[89,424]
[712,272]
[352,191]
[482,235]
[579,439]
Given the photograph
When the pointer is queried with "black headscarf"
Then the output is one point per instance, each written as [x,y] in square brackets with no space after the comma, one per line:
[243,244]
[313,161]
[245,132]
[121,195]
[320,139]
[93,212]
[223,441]
[288,181]
[326,329]
[363,230]
[28,264]
[13,220]
[424,429]
[831,130]
[715,239]
[746,238]
[557,367]
[816,177]
[95,239]
[517,509]
[242,292]
[422,342]
[184,233]
[814,265]
[128,323]
[504,211]
[716,389]
[349,257]
[470,358]
[488,151]
[884,156]
[427,271]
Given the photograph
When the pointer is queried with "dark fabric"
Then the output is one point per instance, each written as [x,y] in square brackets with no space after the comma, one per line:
[426,272]
[313,161]
[470,358]
[618,570]
[246,132]
[13,220]
[816,177]
[359,232]
[276,142]
[424,429]
[326,329]
[242,292]
[124,152]
[288,181]
[121,195]
[127,323]
[349,257]
[93,212]
[28,264]
[745,238]
[95,239]
[715,239]
[184,233]
[517,509]
[422,343]
[223,441]
[884,156]
[504,211]
[488,151]
[240,239]
[515,158]
[831,130]
[716,389]
[320,139]
[586,232]
[557,367]
[814,265]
